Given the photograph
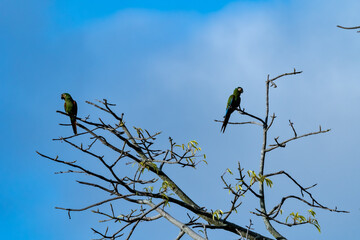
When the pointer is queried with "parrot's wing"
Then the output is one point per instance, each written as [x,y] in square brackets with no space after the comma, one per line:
[228,112]
[75,108]
[230,101]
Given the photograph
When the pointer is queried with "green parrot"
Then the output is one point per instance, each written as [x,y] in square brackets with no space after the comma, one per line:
[71,109]
[232,104]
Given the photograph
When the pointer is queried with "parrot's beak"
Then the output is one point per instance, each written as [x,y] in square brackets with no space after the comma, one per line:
[62,96]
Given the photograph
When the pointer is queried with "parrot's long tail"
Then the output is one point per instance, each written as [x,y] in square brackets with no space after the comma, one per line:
[226,120]
[73,124]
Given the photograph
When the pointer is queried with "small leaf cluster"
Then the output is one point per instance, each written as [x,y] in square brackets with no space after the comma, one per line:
[259,178]
[217,214]
[299,219]
[191,147]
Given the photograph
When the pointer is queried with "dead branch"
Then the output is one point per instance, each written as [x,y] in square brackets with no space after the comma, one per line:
[282,144]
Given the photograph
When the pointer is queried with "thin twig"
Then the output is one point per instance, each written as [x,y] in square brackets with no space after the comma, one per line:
[294,138]
[357,27]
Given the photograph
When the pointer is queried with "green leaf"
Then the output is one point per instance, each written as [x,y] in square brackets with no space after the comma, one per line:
[261,178]
[269,183]
[164,186]
[302,218]
[218,213]
[317,225]
[312,212]
[290,215]
[213,215]
[164,196]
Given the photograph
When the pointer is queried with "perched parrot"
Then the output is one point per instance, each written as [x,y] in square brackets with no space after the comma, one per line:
[71,109]
[232,104]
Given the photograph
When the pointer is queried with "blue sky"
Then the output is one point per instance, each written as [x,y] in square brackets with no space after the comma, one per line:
[169,66]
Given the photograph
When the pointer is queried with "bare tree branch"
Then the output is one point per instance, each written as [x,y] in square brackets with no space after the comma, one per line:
[357,27]
[138,186]
[239,123]
[282,144]
[177,223]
